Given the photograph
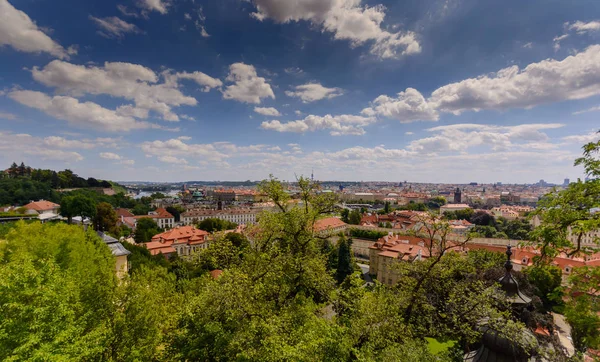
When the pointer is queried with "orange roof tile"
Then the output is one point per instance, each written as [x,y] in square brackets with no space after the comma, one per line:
[41,205]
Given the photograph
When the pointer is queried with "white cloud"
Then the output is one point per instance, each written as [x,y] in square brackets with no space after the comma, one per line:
[177,147]
[409,133]
[21,33]
[8,116]
[61,142]
[267,111]
[110,156]
[581,28]
[575,77]
[409,106]
[127,162]
[298,113]
[201,29]
[293,71]
[338,125]
[11,147]
[583,139]
[172,159]
[592,109]
[86,114]
[527,45]
[202,79]
[129,110]
[113,27]
[161,6]
[123,9]
[123,80]
[311,92]
[247,86]
[346,20]
[461,137]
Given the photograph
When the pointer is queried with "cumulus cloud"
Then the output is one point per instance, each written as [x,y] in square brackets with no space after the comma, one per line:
[338,125]
[177,147]
[575,77]
[206,81]
[408,106]
[61,142]
[86,114]
[11,146]
[20,32]
[583,139]
[123,80]
[110,156]
[581,27]
[461,137]
[172,159]
[161,6]
[267,111]
[113,27]
[346,20]
[311,92]
[247,86]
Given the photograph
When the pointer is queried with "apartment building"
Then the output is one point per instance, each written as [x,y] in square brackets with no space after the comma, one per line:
[181,240]
[162,217]
[238,216]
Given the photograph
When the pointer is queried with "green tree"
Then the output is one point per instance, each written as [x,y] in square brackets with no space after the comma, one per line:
[387,207]
[436,202]
[482,218]
[345,214]
[78,205]
[106,218]
[354,217]
[145,229]
[176,211]
[546,280]
[140,209]
[344,261]
[583,307]
[213,224]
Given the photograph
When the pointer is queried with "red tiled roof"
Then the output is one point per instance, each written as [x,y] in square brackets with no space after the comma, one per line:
[159,213]
[41,205]
[328,223]
[123,212]
[180,233]
[216,273]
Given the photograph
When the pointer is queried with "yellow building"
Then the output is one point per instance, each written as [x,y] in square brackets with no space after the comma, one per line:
[119,252]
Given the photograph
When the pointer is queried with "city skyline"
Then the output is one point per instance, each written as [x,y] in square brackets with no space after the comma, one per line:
[425,91]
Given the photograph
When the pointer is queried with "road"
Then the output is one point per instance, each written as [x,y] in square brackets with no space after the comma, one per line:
[564,333]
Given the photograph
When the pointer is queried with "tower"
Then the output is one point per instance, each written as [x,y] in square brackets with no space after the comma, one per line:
[457,196]
[312,175]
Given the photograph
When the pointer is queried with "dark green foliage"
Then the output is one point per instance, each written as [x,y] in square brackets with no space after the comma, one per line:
[140,209]
[436,202]
[414,206]
[20,191]
[354,217]
[145,229]
[344,260]
[140,257]
[546,280]
[214,224]
[78,205]
[465,214]
[387,207]
[482,218]
[367,234]
[105,218]
[176,211]
[345,216]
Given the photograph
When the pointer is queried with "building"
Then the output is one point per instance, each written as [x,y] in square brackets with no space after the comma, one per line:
[329,226]
[505,212]
[181,240]
[119,252]
[162,217]
[391,249]
[125,218]
[460,227]
[43,207]
[457,196]
[453,207]
[238,216]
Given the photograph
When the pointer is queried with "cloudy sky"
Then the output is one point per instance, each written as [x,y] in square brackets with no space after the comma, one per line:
[419,90]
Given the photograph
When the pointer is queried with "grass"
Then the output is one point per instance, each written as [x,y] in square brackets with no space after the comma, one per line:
[436,346]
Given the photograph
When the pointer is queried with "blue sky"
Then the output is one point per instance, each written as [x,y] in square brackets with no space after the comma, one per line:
[419,90]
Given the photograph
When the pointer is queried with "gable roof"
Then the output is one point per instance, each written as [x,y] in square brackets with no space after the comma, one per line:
[41,205]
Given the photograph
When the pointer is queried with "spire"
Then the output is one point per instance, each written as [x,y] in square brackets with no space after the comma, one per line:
[509,285]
